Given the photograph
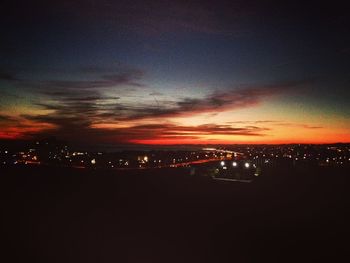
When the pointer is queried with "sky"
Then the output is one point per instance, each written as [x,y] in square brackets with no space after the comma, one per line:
[175,72]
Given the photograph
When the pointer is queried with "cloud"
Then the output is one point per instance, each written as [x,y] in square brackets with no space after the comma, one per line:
[127,78]
[121,77]
[219,101]
[7,76]
[74,129]
[166,132]
[175,16]
[277,123]
[77,114]
[156,94]
[297,125]
[147,17]
[345,50]
[14,127]
[6,119]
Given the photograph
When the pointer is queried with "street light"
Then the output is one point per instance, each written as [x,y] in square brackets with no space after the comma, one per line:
[247,165]
[234,164]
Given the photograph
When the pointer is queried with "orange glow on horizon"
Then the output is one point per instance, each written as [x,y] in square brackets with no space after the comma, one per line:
[23,132]
[220,142]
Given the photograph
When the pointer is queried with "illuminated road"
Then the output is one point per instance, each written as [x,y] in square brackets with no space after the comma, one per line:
[176,165]
[196,162]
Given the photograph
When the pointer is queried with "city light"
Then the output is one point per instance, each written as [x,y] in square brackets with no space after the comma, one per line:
[260,157]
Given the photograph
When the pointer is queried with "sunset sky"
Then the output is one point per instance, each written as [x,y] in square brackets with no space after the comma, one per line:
[175,72]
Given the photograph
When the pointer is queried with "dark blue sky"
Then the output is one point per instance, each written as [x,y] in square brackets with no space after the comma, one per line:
[108,67]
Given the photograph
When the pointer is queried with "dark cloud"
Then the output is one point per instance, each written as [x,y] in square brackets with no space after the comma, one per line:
[312,127]
[7,119]
[73,102]
[98,78]
[143,17]
[7,76]
[156,94]
[165,130]
[218,101]
[20,127]
[75,96]
[277,123]
[159,17]
[180,132]
[128,78]
[93,105]
[74,113]
[162,16]
[75,129]
[297,125]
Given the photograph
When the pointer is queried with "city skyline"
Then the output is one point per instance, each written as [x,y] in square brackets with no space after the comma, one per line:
[175,72]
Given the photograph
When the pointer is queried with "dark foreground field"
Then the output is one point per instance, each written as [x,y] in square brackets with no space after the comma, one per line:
[63,215]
